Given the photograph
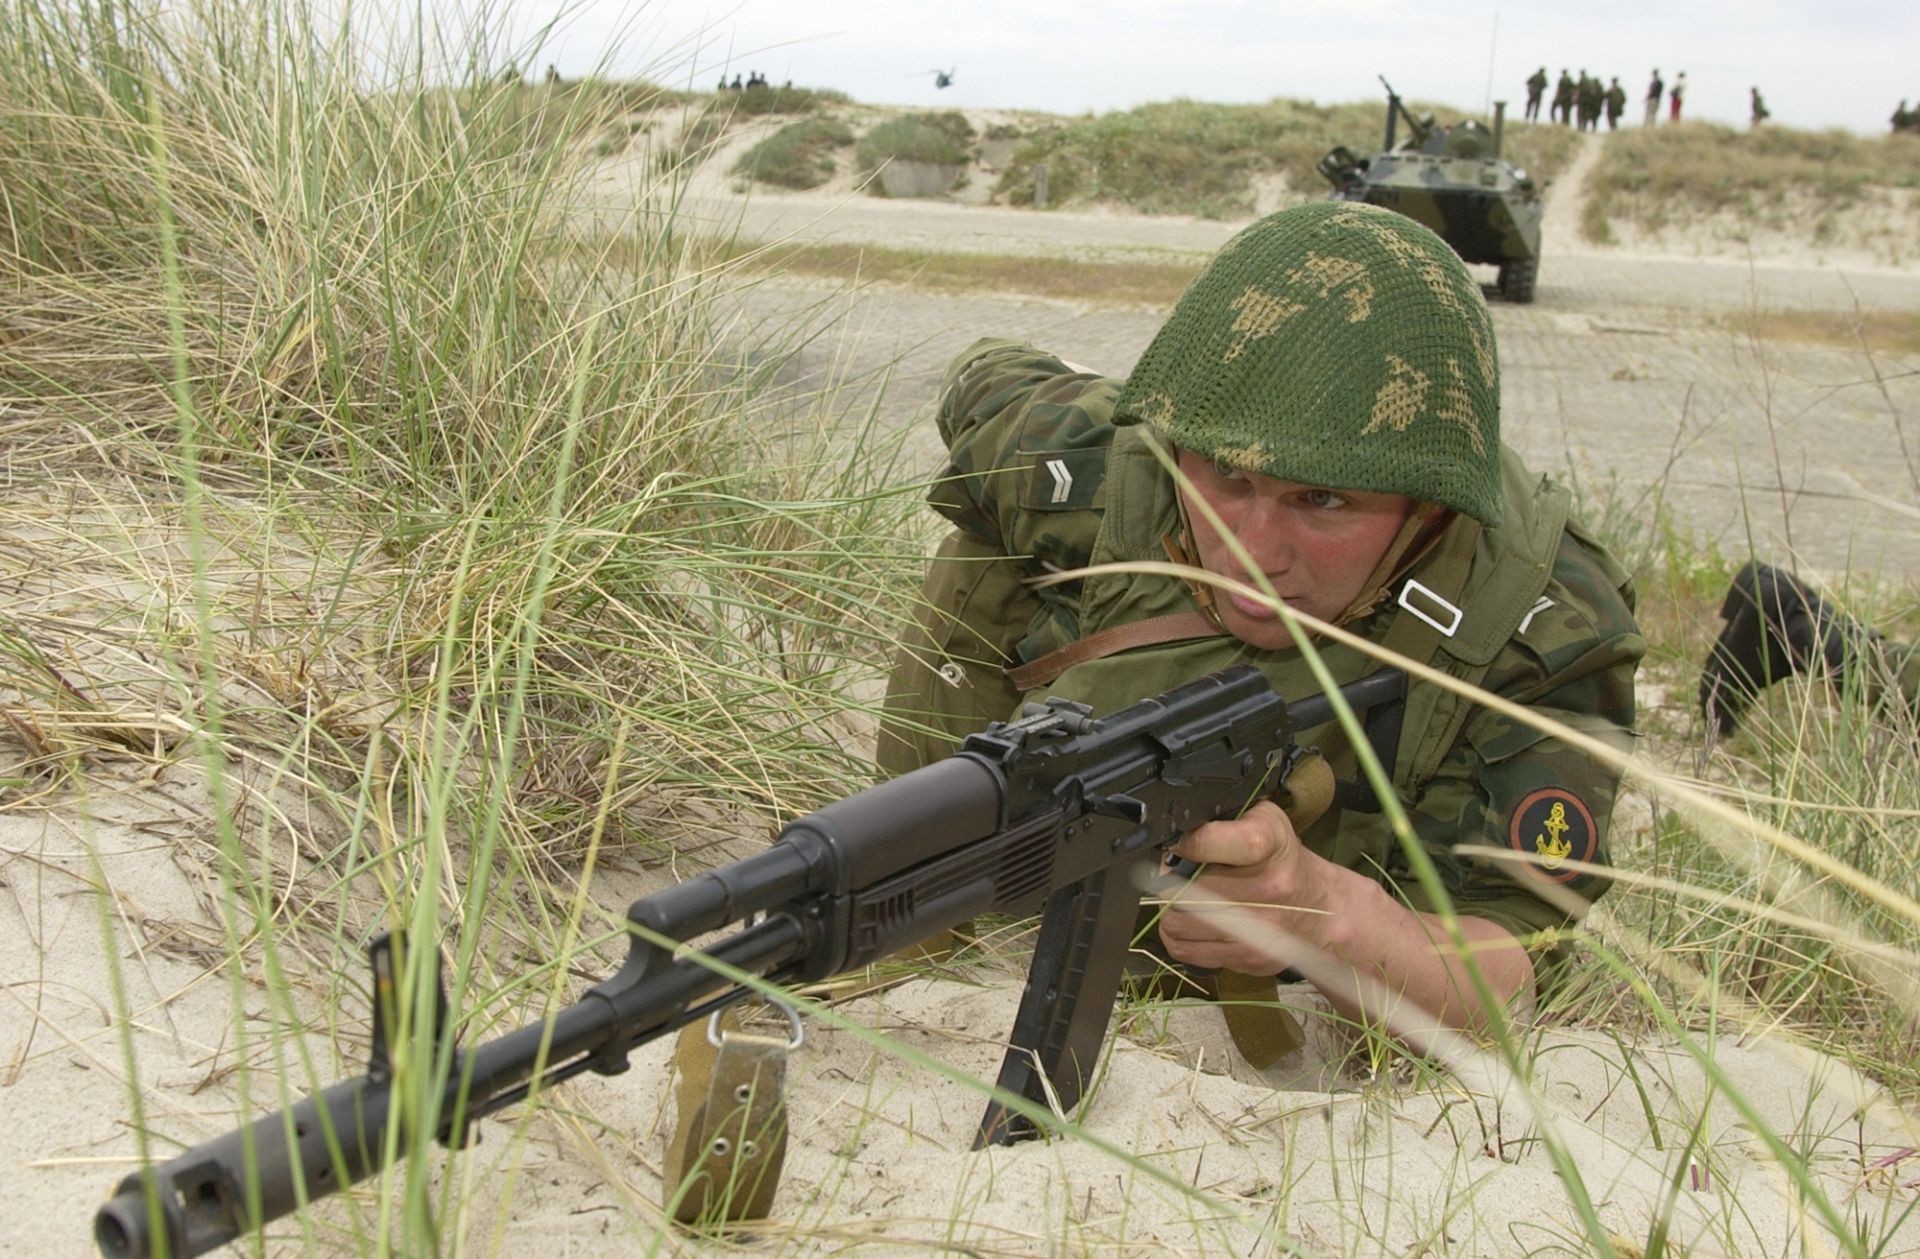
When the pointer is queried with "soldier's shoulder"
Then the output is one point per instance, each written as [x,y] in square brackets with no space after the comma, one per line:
[1028,400]
[1583,622]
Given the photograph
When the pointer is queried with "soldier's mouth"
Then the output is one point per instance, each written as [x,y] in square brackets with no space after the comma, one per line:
[1258,609]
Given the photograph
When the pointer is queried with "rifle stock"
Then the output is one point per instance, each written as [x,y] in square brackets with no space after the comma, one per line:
[1053,808]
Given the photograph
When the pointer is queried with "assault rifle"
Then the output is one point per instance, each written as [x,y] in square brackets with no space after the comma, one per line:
[1053,809]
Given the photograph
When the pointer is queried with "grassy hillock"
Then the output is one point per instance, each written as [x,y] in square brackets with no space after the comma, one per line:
[799,155]
[1183,157]
[1194,157]
[1651,177]
[1171,157]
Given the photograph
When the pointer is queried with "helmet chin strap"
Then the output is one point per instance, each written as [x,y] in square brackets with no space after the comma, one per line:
[1418,535]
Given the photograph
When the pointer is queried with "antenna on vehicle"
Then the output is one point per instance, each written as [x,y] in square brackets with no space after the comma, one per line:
[1492,44]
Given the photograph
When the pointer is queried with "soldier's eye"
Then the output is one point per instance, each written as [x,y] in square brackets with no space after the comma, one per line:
[1326,500]
[1225,471]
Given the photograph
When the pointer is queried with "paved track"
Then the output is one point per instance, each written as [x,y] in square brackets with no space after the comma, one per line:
[1567,278]
[1617,376]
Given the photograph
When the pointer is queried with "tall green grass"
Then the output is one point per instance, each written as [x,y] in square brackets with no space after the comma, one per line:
[566,583]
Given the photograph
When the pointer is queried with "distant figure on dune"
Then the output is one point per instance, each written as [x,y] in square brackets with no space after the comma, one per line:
[1563,99]
[1757,108]
[1588,97]
[1654,91]
[1674,96]
[1536,88]
[1616,104]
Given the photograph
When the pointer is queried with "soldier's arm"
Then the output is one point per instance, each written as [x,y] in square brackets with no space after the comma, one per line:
[1005,409]
[1375,946]
[1502,786]
[1264,901]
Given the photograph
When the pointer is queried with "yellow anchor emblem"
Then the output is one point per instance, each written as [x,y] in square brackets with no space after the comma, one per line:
[1559,848]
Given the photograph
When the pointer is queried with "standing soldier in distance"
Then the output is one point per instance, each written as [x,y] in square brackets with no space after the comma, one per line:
[1563,99]
[1536,88]
[1757,111]
[1616,104]
[1583,100]
[1654,91]
[1328,389]
[1675,95]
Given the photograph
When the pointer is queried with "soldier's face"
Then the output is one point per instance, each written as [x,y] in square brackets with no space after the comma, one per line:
[1315,545]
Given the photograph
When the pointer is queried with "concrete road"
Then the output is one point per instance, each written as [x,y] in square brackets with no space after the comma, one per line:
[1617,377]
[1569,279]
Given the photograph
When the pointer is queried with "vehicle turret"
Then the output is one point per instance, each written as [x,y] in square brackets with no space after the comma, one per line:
[1455,181]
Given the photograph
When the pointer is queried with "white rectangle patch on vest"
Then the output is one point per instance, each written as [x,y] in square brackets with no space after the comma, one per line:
[1539,605]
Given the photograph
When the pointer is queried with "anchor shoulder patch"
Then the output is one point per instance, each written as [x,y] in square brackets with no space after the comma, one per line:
[1550,827]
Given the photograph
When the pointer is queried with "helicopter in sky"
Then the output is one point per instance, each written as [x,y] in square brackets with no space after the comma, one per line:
[941,78]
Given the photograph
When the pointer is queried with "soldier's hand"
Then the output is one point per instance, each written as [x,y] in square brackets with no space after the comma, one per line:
[1258,886]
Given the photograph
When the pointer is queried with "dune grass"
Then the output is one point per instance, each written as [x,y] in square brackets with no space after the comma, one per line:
[566,583]
[1194,157]
[799,155]
[944,136]
[1650,177]
[465,582]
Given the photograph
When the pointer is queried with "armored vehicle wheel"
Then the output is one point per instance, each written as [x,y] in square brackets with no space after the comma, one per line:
[1517,279]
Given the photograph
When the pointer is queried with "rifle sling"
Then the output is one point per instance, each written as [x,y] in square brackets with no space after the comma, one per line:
[1175,627]
[730,1131]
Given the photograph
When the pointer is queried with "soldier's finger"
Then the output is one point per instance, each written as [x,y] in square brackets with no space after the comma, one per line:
[1193,941]
[1261,835]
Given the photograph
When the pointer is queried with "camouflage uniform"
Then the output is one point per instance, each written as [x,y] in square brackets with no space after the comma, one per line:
[1536,88]
[1563,93]
[1616,99]
[1041,472]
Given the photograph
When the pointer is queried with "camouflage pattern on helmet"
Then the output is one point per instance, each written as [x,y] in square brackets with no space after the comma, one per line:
[1333,345]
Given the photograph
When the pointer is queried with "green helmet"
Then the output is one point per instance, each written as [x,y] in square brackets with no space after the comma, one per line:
[1333,344]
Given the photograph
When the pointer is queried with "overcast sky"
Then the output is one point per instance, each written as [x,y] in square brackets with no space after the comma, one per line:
[1840,63]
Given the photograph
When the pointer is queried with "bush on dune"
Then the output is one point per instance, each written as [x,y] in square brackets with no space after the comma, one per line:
[799,155]
[370,311]
[938,137]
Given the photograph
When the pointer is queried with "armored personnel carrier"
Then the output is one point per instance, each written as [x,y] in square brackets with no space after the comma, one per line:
[1453,180]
